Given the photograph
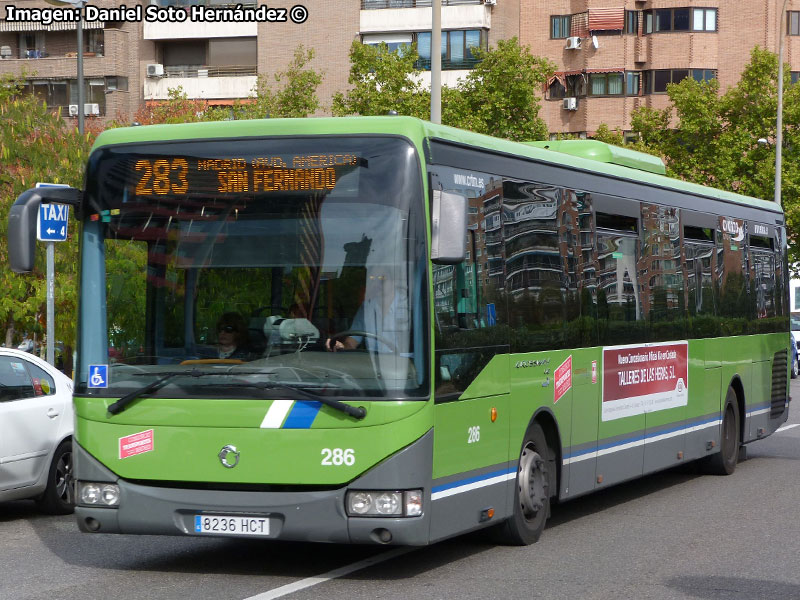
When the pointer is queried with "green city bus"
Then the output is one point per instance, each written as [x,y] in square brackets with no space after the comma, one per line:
[434,331]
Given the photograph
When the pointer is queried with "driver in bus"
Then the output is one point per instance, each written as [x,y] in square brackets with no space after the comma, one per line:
[382,317]
[232,336]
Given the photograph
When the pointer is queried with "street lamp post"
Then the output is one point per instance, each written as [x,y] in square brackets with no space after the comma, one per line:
[436,61]
[779,125]
[79,4]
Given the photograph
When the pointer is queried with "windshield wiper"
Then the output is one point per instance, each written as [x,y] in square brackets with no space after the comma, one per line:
[357,412]
[118,406]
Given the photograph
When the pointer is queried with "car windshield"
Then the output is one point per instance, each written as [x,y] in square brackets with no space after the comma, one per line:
[294,261]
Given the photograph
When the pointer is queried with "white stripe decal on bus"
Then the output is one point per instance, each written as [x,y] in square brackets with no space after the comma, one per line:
[623,445]
[473,486]
[276,414]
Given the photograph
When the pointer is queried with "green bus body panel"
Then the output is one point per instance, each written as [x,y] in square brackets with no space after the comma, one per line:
[268,456]
[206,412]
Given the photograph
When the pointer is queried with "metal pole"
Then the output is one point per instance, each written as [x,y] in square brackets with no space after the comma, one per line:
[80,71]
[436,61]
[779,126]
[51,302]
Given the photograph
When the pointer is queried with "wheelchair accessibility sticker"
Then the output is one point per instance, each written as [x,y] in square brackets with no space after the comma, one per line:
[98,376]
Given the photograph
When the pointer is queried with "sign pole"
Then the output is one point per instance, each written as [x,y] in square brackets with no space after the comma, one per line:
[51,302]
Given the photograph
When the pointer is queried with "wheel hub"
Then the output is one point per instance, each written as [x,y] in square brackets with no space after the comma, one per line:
[532,482]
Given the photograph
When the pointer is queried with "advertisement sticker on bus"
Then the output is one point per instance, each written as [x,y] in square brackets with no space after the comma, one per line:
[644,378]
[137,443]
[563,379]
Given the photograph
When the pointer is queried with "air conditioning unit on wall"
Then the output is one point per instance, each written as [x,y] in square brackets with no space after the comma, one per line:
[155,70]
[73,110]
[570,104]
[573,43]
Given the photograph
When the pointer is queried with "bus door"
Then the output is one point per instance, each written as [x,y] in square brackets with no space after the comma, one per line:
[622,331]
[471,418]
[664,375]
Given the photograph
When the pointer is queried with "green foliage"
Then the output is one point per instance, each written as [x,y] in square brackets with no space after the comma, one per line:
[499,97]
[712,139]
[37,146]
[382,81]
[604,134]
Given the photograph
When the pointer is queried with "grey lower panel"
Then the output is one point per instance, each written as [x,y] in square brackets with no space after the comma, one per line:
[316,516]
[461,512]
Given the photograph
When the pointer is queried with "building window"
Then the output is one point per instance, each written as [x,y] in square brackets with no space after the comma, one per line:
[633,83]
[605,84]
[795,76]
[560,26]
[793,22]
[680,19]
[557,89]
[704,74]
[632,21]
[457,47]
[394,41]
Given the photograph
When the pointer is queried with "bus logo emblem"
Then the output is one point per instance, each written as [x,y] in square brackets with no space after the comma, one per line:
[229,456]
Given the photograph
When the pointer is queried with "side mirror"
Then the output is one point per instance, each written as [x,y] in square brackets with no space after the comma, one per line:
[448,228]
[22,220]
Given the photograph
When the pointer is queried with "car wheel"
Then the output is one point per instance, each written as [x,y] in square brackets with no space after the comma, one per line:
[58,498]
[795,368]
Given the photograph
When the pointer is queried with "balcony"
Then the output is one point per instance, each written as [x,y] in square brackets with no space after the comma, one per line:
[203,82]
[407,15]
[191,30]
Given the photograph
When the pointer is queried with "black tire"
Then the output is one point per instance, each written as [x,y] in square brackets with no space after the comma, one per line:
[724,461]
[532,492]
[57,498]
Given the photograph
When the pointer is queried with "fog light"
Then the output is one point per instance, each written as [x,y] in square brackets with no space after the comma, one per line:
[98,494]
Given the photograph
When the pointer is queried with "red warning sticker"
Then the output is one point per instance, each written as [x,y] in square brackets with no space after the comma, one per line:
[563,379]
[137,443]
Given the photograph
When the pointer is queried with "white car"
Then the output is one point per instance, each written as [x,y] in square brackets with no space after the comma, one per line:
[35,432]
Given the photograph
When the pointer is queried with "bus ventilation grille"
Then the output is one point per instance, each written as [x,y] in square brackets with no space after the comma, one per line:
[780,375]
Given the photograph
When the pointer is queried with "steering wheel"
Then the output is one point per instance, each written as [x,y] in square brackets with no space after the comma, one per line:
[360,333]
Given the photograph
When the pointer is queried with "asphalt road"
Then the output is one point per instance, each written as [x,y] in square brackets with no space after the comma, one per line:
[677,534]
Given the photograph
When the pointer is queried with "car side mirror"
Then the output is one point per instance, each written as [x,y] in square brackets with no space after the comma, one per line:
[448,227]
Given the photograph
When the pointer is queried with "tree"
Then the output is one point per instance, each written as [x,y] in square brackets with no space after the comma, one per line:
[713,139]
[36,145]
[499,97]
[383,81]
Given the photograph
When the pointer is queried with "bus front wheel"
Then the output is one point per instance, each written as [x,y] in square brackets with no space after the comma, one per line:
[532,493]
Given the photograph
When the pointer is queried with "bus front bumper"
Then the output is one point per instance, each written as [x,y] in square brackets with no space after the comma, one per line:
[310,516]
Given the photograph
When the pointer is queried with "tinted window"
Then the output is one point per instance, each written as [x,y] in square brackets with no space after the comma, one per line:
[15,383]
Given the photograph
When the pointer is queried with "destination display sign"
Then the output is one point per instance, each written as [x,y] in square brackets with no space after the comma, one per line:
[181,176]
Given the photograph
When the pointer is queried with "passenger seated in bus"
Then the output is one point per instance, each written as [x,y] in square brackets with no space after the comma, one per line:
[383,316]
[232,336]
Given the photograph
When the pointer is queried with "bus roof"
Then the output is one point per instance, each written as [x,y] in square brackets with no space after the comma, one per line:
[594,157]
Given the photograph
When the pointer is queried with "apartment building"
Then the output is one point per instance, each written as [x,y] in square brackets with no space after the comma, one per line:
[616,55]
[612,56]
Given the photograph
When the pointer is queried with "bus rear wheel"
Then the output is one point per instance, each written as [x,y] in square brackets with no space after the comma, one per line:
[532,493]
[724,462]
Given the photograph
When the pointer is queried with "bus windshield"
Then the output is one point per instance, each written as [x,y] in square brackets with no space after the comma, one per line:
[290,262]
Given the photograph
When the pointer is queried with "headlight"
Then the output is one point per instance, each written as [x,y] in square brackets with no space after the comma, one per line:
[384,503]
[98,494]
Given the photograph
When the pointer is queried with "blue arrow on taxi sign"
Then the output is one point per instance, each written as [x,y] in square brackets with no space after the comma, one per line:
[53,218]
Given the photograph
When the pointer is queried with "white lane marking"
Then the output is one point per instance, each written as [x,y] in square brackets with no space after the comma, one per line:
[308,582]
[276,414]
[785,427]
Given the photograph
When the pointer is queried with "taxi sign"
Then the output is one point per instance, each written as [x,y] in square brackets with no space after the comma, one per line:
[52,223]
